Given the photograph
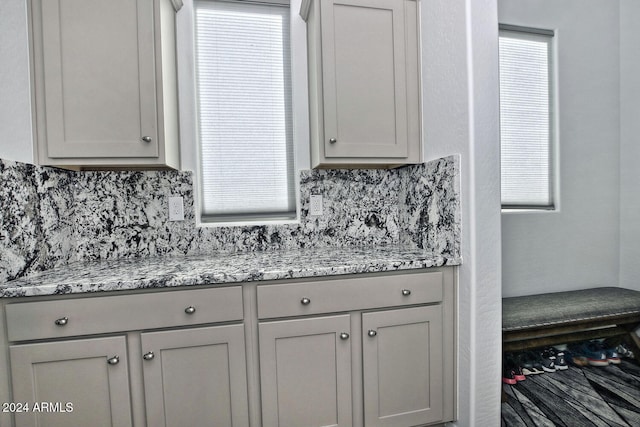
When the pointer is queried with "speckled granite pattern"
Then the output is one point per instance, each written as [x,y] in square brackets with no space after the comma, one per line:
[124,214]
[429,204]
[21,230]
[52,217]
[218,268]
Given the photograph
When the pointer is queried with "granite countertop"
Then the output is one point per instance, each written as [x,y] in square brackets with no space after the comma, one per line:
[219,268]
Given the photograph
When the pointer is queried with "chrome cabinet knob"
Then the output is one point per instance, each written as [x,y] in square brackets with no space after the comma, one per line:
[146,138]
[113,360]
[333,141]
[148,356]
[190,310]
[305,301]
[372,333]
[344,336]
[406,292]
[62,321]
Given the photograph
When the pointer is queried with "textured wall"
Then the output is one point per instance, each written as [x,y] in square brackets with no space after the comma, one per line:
[15,108]
[50,217]
[578,244]
[629,144]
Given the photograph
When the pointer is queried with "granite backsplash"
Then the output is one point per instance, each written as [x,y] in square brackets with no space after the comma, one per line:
[50,217]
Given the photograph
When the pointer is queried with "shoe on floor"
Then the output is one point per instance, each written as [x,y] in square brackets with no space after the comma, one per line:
[512,368]
[610,352]
[618,346]
[548,356]
[530,363]
[590,351]
[624,351]
[508,376]
[561,361]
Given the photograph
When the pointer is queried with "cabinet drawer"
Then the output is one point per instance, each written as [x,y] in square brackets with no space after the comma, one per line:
[296,299]
[94,315]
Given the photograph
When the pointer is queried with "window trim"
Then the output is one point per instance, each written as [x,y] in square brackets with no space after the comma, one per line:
[553,150]
[189,146]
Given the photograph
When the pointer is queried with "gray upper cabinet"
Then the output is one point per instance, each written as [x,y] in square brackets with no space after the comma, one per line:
[104,79]
[364,84]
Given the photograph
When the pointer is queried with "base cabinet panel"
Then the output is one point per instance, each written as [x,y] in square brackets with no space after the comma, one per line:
[400,330]
[375,350]
[89,374]
[402,367]
[305,369]
[196,377]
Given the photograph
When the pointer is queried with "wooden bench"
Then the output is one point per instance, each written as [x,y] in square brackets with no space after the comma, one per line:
[564,317]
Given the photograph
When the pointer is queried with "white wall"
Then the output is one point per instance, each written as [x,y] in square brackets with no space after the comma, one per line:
[578,246]
[15,105]
[460,116]
[629,144]
[460,98]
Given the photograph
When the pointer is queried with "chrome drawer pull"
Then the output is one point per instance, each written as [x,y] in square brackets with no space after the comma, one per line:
[113,360]
[62,321]
[190,310]
[305,301]
[148,356]
[344,336]
[372,333]
[146,138]
[406,292]
[332,141]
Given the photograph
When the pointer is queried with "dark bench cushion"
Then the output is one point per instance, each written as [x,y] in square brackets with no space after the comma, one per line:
[547,310]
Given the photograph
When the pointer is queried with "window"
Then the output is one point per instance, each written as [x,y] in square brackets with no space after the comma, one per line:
[526,99]
[244,109]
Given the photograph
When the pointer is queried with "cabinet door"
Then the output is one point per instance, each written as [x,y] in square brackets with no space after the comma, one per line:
[305,371]
[402,362]
[364,78]
[196,377]
[95,60]
[91,375]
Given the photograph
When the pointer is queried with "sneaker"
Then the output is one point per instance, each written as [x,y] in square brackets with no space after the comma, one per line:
[613,356]
[624,351]
[561,361]
[508,376]
[611,353]
[511,361]
[578,359]
[530,363]
[508,372]
[548,359]
[591,352]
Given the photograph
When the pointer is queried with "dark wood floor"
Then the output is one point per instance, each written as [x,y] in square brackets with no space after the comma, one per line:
[589,396]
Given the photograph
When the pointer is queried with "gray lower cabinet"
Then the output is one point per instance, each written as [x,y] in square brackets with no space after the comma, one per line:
[305,368]
[375,351]
[160,359]
[196,377]
[73,383]
[370,350]
[402,367]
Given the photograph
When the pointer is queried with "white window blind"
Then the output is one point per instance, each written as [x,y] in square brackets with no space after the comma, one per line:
[525,118]
[243,69]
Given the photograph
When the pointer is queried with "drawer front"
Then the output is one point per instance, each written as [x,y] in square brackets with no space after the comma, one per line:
[298,299]
[95,315]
